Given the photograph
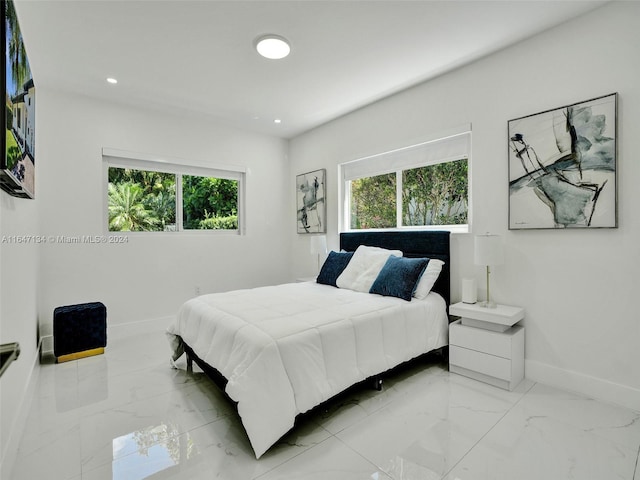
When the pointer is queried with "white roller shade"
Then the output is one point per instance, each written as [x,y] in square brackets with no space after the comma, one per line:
[446,149]
[142,161]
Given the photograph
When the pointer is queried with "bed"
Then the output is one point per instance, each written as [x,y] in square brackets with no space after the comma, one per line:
[279,351]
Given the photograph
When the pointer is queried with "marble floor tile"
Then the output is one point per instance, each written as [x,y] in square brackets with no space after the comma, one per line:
[532,447]
[351,407]
[331,459]
[423,435]
[169,414]
[219,449]
[127,415]
[55,453]
[611,422]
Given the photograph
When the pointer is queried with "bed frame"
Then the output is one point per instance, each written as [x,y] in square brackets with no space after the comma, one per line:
[416,244]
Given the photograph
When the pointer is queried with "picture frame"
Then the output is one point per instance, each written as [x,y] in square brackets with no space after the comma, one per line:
[563,167]
[17,144]
[311,202]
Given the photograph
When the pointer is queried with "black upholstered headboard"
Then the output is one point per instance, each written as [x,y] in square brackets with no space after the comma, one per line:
[431,244]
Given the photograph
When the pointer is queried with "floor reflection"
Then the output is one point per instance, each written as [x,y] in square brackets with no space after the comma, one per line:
[73,392]
[143,453]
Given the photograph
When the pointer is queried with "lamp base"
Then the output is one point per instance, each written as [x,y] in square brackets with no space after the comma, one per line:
[487,304]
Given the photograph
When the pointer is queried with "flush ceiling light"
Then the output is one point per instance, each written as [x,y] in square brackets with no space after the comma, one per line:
[273,47]
[112,80]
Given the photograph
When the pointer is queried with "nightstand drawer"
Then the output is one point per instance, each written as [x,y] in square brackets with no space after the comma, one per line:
[497,344]
[480,362]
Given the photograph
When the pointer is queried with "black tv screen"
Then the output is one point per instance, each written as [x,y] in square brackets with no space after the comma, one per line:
[17,155]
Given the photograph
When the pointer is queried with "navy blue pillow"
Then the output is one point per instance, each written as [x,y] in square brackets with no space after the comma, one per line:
[333,266]
[399,277]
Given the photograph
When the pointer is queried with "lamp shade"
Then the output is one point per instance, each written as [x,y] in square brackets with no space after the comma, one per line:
[319,244]
[488,250]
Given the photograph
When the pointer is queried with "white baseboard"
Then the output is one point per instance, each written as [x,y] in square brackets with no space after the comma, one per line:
[123,330]
[118,331]
[592,387]
[46,345]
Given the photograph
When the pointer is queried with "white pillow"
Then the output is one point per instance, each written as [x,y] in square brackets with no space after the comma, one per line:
[364,267]
[428,278]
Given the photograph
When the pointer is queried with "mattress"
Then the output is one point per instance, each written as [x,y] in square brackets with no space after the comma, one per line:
[285,349]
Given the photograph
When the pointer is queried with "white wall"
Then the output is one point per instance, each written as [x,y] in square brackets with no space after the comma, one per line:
[577,286]
[18,310]
[152,274]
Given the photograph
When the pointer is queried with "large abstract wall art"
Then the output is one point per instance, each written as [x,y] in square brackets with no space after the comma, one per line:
[311,203]
[562,167]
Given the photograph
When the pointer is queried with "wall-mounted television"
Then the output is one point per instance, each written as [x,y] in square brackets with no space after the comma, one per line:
[17,145]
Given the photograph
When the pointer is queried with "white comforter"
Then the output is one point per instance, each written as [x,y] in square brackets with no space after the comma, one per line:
[285,349]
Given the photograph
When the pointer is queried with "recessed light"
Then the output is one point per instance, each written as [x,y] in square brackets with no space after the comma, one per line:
[112,80]
[277,120]
[273,47]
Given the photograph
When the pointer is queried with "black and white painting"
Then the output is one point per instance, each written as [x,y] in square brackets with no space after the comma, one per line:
[562,167]
[311,204]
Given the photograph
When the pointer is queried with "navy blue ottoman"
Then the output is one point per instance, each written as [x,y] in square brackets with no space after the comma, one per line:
[79,331]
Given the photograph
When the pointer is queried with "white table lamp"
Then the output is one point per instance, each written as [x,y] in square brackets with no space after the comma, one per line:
[318,247]
[488,251]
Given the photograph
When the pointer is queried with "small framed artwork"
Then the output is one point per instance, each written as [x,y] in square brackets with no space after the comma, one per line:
[562,167]
[311,202]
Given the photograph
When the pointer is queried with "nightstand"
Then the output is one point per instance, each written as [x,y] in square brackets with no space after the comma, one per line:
[487,345]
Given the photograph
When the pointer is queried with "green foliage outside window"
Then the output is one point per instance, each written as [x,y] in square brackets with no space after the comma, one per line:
[209,203]
[142,200]
[436,194]
[373,202]
[431,195]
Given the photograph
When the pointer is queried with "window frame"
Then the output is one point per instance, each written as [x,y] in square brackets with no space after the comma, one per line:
[345,182]
[138,161]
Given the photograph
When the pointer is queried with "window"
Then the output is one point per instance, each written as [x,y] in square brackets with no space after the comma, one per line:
[141,200]
[436,194]
[209,203]
[425,186]
[373,202]
[157,196]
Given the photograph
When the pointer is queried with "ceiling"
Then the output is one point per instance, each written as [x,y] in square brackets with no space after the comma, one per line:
[197,57]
